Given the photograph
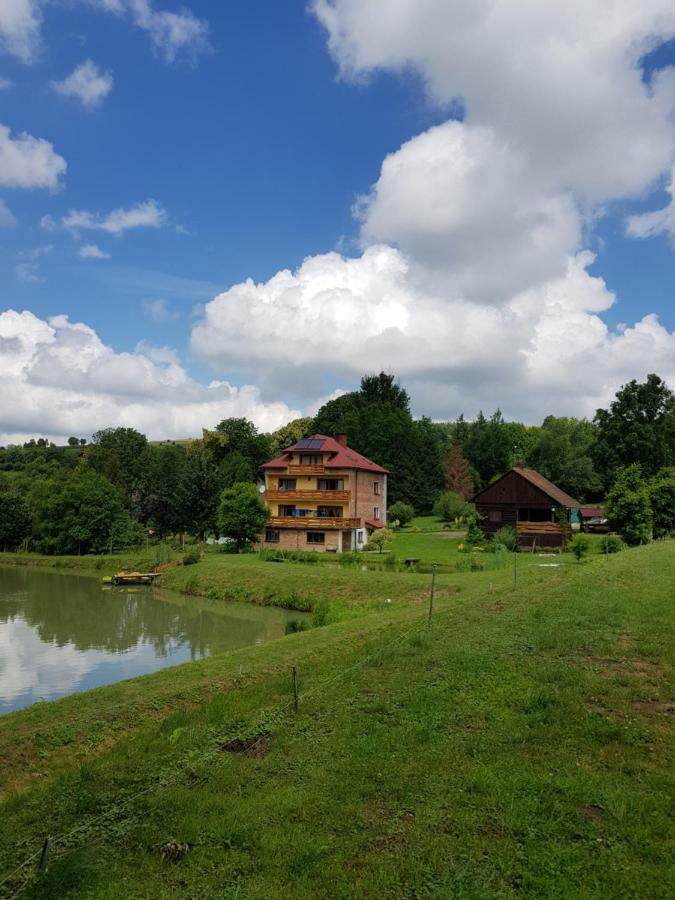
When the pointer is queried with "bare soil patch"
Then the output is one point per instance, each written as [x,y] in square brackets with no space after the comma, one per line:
[256,747]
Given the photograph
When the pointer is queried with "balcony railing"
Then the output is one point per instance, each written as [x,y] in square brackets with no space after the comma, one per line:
[313,523]
[300,495]
[306,470]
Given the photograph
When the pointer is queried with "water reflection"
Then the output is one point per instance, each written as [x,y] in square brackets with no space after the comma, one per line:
[63,633]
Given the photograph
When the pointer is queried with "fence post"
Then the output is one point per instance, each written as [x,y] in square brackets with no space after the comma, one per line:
[42,864]
[431,592]
[295,689]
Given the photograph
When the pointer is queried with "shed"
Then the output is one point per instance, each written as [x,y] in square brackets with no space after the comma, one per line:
[529,503]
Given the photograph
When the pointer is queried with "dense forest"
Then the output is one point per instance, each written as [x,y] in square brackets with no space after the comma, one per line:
[119,488]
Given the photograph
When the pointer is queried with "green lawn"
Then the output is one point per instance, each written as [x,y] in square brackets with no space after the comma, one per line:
[521,746]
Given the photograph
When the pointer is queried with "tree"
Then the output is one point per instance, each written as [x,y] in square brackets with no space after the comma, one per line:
[629,507]
[118,455]
[662,499]
[379,539]
[73,442]
[241,514]
[489,447]
[457,473]
[400,512]
[234,469]
[83,516]
[563,453]
[241,436]
[450,506]
[638,428]
[290,434]
[164,490]
[15,520]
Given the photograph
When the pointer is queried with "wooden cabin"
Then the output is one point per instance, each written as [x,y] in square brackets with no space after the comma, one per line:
[529,503]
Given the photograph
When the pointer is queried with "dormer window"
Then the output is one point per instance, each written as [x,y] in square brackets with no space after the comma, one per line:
[311,459]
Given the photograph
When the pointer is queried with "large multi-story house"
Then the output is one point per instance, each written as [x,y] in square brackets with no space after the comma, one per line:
[322,495]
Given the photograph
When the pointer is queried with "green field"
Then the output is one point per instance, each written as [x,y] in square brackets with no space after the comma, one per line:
[520,746]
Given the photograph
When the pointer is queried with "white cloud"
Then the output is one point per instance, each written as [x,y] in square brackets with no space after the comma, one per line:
[5,84]
[28,162]
[173,34]
[27,271]
[660,221]
[20,28]
[7,218]
[159,310]
[58,378]
[148,214]
[92,251]
[542,349]
[29,268]
[89,85]
[473,284]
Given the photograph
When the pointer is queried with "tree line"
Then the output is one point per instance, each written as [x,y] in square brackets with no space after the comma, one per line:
[119,488]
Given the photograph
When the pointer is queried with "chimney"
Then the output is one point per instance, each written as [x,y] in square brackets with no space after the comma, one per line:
[341,439]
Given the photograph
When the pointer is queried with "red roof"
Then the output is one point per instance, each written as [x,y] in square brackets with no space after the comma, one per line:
[341,456]
[592,512]
[374,524]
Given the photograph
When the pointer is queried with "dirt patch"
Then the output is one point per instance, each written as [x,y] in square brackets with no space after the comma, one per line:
[656,707]
[452,534]
[605,661]
[592,811]
[256,747]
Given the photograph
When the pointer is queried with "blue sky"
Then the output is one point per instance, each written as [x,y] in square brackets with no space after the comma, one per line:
[255,142]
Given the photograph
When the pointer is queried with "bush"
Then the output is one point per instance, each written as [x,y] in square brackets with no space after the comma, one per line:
[580,546]
[506,536]
[296,625]
[629,507]
[612,543]
[450,506]
[474,535]
[191,557]
[400,512]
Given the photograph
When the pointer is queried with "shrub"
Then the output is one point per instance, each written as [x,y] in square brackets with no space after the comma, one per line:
[474,535]
[580,545]
[401,512]
[450,506]
[379,539]
[191,557]
[506,536]
[191,586]
[611,543]
[629,507]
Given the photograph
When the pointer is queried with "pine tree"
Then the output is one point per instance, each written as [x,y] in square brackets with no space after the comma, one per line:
[457,472]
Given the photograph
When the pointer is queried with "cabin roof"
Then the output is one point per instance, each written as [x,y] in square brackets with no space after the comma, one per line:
[547,487]
[342,457]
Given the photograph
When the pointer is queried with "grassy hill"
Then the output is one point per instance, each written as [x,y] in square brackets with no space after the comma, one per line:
[520,746]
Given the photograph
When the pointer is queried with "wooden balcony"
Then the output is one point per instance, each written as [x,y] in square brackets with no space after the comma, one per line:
[538,528]
[312,523]
[306,470]
[300,496]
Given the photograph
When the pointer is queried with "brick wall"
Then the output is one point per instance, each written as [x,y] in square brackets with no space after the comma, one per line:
[296,539]
[366,498]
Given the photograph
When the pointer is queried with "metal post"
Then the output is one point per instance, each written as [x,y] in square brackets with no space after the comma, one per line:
[431,592]
[42,864]
[295,689]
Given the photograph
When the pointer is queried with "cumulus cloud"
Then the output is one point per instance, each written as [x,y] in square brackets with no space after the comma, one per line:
[92,251]
[86,83]
[473,283]
[58,378]
[149,214]
[28,162]
[20,28]
[659,221]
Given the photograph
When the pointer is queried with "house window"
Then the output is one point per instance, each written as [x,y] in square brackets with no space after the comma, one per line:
[495,515]
[331,484]
[272,536]
[287,510]
[376,487]
[535,515]
[360,537]
[316,537]
[311,459]
[329,512]
[287,484]
[376,513]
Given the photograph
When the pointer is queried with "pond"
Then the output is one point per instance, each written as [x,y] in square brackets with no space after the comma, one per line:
[60,634]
